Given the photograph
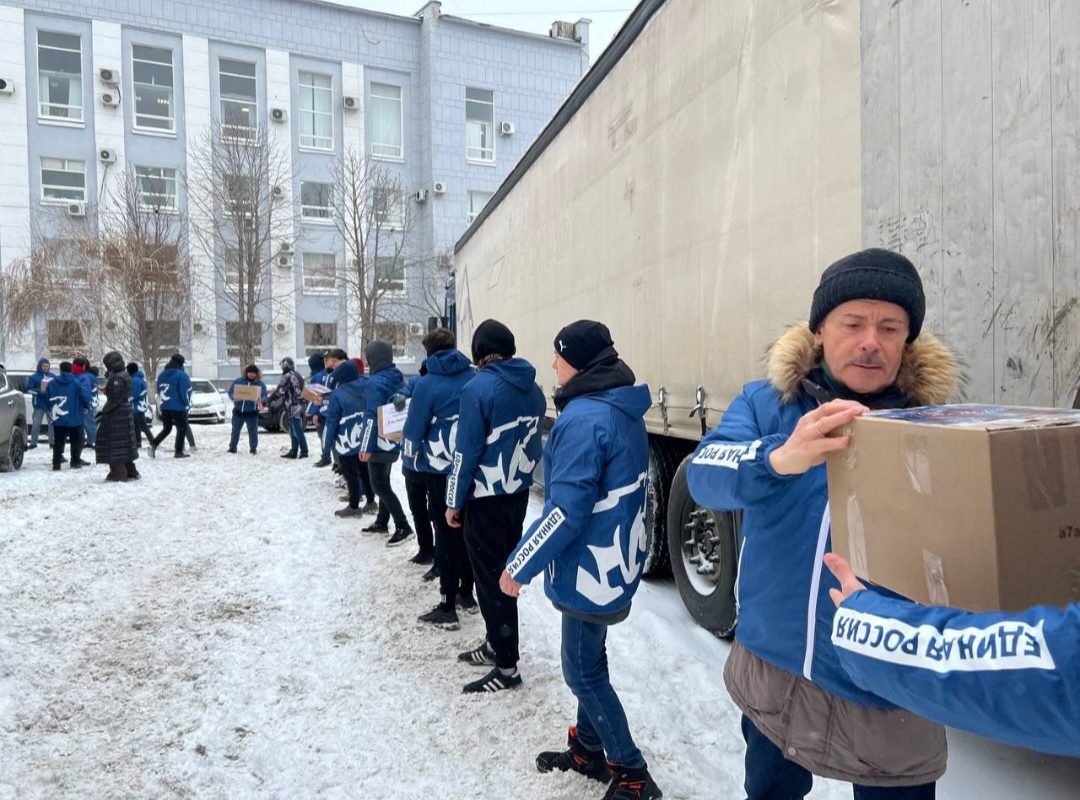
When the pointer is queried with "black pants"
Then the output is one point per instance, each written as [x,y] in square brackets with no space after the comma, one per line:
[141,427]
[770,776]
[493,528]
[416,492]
[351,470]
[169,420]
[64,433]
[389,505]
[455,571]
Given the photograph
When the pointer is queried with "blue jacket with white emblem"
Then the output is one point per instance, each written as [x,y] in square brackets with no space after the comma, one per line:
[430,431]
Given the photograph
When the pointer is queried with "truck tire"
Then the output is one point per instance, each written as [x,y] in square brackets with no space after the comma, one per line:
[662,464]
[704,553]
[12,457]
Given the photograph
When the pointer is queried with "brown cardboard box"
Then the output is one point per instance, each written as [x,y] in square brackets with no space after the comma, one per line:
[392,421]
[315,393]
[242,393]
[970,506]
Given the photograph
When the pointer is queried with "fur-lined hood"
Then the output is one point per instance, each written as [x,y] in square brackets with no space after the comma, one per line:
[929,372]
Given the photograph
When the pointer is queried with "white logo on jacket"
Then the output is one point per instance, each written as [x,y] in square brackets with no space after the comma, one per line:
[599,590]
[521,466]
[59,407]
[348,439]
[440,451]
[163,394]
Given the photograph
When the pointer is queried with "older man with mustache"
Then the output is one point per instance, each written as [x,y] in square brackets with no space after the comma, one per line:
[802,714]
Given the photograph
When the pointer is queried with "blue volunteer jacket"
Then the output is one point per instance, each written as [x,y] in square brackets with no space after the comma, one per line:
[247,406]
[1011,677]
[498,437]
[69,400]
[174,390]
[33,385]
[382,385]
[785,613]
[431,427]
[345,411]
[140,402]
[320,378]
[591,536]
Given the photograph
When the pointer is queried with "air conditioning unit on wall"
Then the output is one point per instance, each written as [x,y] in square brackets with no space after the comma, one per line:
[106,75]
[350,103]
[76,209]
[439,187]
[107,156]
[278,114]
[110,99]
[7,86]
[283,261]
[506,128]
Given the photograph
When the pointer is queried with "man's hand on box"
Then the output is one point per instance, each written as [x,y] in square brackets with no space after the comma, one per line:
[849,584]
[814,438]
[399,402]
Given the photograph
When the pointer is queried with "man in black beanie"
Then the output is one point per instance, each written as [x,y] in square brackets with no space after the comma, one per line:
[864,348]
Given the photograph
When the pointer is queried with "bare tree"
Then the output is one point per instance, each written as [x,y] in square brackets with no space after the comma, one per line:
[236,184]
[381,243]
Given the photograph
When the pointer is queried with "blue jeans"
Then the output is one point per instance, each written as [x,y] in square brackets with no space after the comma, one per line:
[35,428]
[238,422]
[91,426]
[296,435]
[601,721]
[770,776]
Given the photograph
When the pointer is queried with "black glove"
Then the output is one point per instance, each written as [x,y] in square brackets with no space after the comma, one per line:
[399,402]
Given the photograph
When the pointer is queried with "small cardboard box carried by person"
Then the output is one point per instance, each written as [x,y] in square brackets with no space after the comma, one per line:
[392,421]
[970,506]
[315,393]
[247,394]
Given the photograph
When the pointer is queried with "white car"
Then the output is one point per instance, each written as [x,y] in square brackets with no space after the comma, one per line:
[208,403]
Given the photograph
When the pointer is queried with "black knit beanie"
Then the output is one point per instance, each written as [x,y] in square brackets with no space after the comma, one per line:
[492,338]
[176,361]
[65,366]
[584,343]
[872,274]
[132,368]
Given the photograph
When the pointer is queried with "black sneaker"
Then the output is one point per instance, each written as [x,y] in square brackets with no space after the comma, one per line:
[441,617]
[590,763]
[253,452]
[348,511]
[401,535]
[494,681]
[631,784]
[431,574]
[182,455]
[290,454]
[370,507]
[423,557]
[482,656]
[302,455]
[231,450]
[323,462]
[467,603]
[373,528]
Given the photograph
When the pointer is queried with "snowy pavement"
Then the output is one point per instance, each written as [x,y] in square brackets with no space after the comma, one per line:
[213,631]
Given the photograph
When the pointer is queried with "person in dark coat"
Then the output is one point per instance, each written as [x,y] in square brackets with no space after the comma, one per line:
[116,425]
[290,387]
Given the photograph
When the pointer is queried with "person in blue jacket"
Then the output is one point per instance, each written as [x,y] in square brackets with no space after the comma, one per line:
[246,412]
[41,400]
[428,445]
[344,414]
[140,403]
[82,370]
[863,348]
[589,542]
[416,494]
[377,452]
[69,401]
[318,376]
[1014,677]
[174,401]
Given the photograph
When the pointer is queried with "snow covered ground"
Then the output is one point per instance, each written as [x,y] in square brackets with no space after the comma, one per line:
[213,631]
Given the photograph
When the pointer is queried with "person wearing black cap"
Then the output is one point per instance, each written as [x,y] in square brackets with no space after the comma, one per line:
[174,400]
[864,348]
[589,543]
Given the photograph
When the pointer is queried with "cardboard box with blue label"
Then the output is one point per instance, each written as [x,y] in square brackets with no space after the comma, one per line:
[975,506]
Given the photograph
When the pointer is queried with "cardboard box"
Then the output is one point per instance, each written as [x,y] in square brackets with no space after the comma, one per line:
[971,506]
[315,393]
[242,393]
[392,421]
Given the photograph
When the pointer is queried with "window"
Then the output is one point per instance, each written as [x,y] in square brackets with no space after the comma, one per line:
[396,334]
[477,201]
[239,101]
[389,274]
[320,273]
[65,339]
[239,195]
[389,207]
[316,111]
[233,338]
[317,201]
[67,261]
[386,122]
[164,336]
[319,337]
[63,180]
[156,187]
[231,270]
[152,72]
[479,124]
[60,76]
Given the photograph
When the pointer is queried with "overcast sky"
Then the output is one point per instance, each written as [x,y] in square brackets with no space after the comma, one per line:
[528,15]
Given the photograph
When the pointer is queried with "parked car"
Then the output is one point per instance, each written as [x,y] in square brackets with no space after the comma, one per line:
[208,403]
[12,426]
[17,379]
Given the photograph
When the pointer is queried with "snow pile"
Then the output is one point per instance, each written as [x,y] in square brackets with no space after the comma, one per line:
[213,631]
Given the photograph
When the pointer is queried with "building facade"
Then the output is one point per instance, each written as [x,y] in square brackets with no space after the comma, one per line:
[107,88]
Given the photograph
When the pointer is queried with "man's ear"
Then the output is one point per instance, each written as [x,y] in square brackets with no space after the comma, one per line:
[818,339]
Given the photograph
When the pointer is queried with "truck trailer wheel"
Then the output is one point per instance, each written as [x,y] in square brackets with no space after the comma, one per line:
[704,551]
[662,464]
